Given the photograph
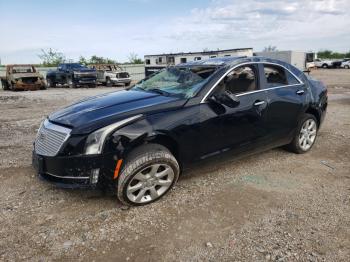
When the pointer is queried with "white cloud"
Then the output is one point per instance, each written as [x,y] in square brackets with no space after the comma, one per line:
[291,24]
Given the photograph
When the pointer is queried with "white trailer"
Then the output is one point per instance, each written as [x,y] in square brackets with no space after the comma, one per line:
[299,59]
[154,63]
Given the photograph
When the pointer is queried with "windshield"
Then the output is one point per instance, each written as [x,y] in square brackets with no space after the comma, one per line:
[75,66]
[23,69]
[184,81]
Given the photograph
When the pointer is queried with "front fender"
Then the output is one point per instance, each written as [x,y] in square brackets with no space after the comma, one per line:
[128,137]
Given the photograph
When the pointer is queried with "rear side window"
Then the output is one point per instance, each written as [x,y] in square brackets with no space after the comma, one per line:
[278,76]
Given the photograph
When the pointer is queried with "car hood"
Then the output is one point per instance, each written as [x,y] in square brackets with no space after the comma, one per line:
[96,112]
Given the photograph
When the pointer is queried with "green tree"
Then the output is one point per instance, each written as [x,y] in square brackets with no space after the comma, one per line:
[51,57]
[270,48]
[134,59]
[101,60]
[83,60]
[328,54]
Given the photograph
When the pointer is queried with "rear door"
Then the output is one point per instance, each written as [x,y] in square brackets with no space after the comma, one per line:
[286,97]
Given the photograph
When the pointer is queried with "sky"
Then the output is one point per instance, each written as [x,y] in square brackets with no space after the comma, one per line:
[114,29]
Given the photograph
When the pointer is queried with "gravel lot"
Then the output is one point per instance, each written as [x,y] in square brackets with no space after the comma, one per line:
[271,206]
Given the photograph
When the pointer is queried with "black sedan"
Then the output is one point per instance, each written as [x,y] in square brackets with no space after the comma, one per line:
[139,140]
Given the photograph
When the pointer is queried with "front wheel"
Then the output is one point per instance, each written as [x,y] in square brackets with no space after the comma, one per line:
[5,85]
[71,84]
[305,136]
[50,83]
[108,82]
[149,172]
[347,67]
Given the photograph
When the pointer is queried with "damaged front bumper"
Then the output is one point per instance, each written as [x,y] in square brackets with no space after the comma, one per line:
[75,171]
[28,87]
[120,80]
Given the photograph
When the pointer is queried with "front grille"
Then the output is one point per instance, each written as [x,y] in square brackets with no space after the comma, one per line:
[29,80]
[50,139]
[123,75]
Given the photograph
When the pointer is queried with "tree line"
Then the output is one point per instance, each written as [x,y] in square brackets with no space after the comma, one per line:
[51,57]
[328,54]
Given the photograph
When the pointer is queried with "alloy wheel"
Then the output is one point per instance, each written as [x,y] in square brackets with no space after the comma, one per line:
[150,183]
[307,134]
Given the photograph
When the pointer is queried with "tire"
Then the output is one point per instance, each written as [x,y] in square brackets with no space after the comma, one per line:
[108,82]
[71,84]
[50,83]
[324,66]
[347,67]
[305,136]
[127,84]
[140,181]
[5,85]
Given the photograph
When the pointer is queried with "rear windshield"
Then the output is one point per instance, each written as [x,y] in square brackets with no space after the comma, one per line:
[179,81]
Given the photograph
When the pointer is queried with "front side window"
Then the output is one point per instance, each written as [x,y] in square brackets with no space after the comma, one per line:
[240,80]
[183,82]
[183,60]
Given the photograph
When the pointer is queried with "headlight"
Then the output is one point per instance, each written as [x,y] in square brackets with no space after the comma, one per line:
[96,140]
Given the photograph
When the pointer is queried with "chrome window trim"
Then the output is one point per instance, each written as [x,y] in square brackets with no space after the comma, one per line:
[255,91]
[267,89]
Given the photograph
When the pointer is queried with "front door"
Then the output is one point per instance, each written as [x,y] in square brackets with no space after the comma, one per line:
[240,127]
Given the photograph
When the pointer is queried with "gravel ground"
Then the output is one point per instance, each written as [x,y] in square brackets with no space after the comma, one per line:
[272,206]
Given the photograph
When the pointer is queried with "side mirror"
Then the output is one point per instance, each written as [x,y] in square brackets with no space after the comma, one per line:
[226,98]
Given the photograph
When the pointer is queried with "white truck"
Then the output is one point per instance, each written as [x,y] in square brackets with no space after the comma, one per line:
[323,63]
[302,60]
[111,74]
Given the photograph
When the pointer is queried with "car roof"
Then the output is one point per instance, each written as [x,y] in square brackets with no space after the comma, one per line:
[227,61]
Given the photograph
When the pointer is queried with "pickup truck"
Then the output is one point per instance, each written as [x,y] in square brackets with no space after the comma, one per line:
[22,77]
[73,75]
[345,63]
[323,63]
[111,74]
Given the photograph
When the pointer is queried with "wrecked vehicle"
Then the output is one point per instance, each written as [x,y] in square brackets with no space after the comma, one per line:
[139,140]
[71,74]
[111,74]
[22,77]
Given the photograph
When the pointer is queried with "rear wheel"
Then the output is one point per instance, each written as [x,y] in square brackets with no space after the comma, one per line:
[149,172]
[324,66]
[305,136]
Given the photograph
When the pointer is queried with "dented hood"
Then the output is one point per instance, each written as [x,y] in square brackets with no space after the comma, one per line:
[99,111]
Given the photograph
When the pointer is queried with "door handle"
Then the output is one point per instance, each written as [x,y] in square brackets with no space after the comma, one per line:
[258,103]
[300,92]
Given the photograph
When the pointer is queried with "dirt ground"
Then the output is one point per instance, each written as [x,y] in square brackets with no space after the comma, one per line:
[271,206]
